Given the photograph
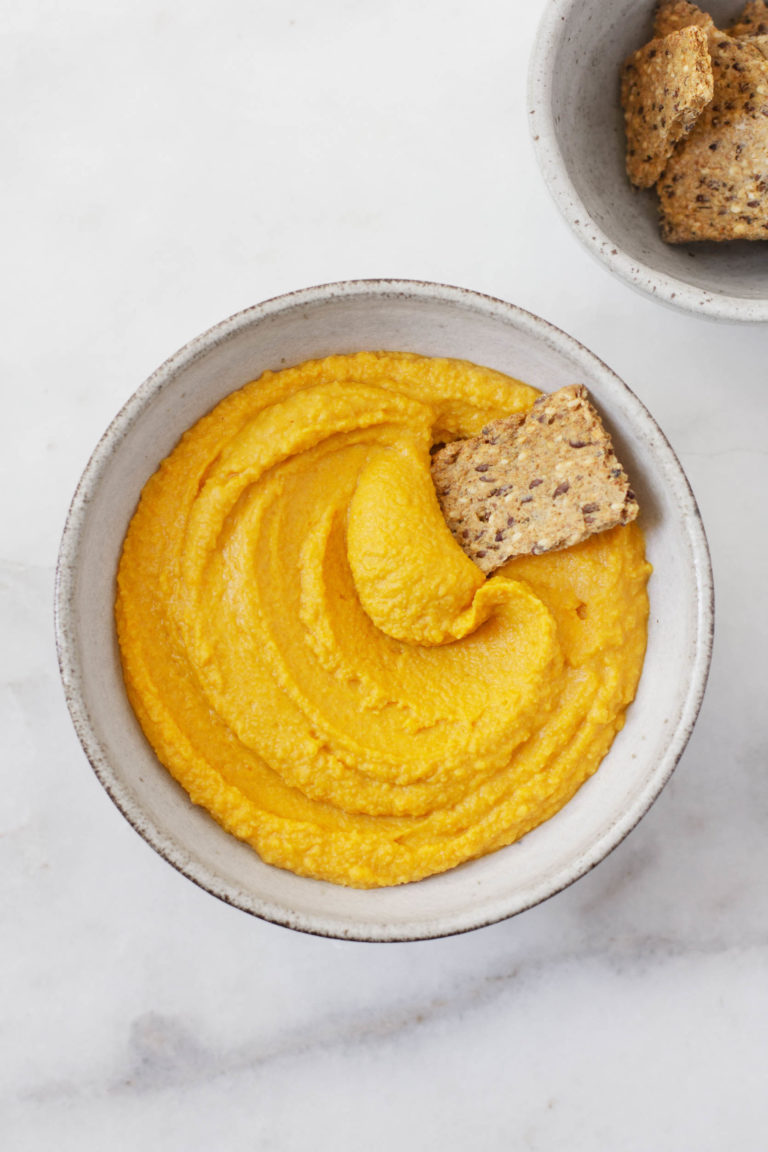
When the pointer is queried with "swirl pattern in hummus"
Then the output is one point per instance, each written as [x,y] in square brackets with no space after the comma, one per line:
[320,665]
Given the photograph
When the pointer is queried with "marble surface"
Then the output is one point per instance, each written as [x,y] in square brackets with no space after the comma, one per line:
[165,166]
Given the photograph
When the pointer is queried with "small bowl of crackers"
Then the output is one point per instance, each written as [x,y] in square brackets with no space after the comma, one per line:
[650,124]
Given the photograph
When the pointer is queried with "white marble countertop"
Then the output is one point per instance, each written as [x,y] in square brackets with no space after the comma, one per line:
[166,165]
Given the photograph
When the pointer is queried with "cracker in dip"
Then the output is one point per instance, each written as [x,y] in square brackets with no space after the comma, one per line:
[534,483]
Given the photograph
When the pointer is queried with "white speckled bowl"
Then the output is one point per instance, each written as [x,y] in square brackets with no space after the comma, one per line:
[577,127]
[434,320]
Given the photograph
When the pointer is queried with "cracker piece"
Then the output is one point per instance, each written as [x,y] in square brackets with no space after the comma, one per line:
[752,22]
[759,42]
[752,26]
[672,15]
[715,185]
[664,87]
[533,483]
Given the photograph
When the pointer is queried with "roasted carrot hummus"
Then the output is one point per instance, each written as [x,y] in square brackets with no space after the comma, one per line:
[320,665]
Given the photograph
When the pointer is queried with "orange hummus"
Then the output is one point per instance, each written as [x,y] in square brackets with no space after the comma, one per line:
[315,659]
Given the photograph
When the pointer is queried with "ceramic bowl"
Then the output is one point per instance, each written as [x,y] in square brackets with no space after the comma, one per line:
[577,126]
[433,320]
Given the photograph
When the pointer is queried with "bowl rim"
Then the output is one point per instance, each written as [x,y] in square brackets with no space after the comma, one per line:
[318,923]
[639,275]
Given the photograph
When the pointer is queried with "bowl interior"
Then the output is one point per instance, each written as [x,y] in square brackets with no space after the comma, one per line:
[576,71]
[433,321]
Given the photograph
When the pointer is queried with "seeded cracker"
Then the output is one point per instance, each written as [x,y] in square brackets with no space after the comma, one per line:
[676,14]
[533,483]
[759,42]
[752,22]
[715,186]
[752,26]
[664,87]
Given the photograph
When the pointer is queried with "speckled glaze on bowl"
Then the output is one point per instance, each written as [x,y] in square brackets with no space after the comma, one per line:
[347,317]
[577,127]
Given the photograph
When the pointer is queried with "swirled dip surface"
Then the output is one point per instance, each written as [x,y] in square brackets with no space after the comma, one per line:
[319,664]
